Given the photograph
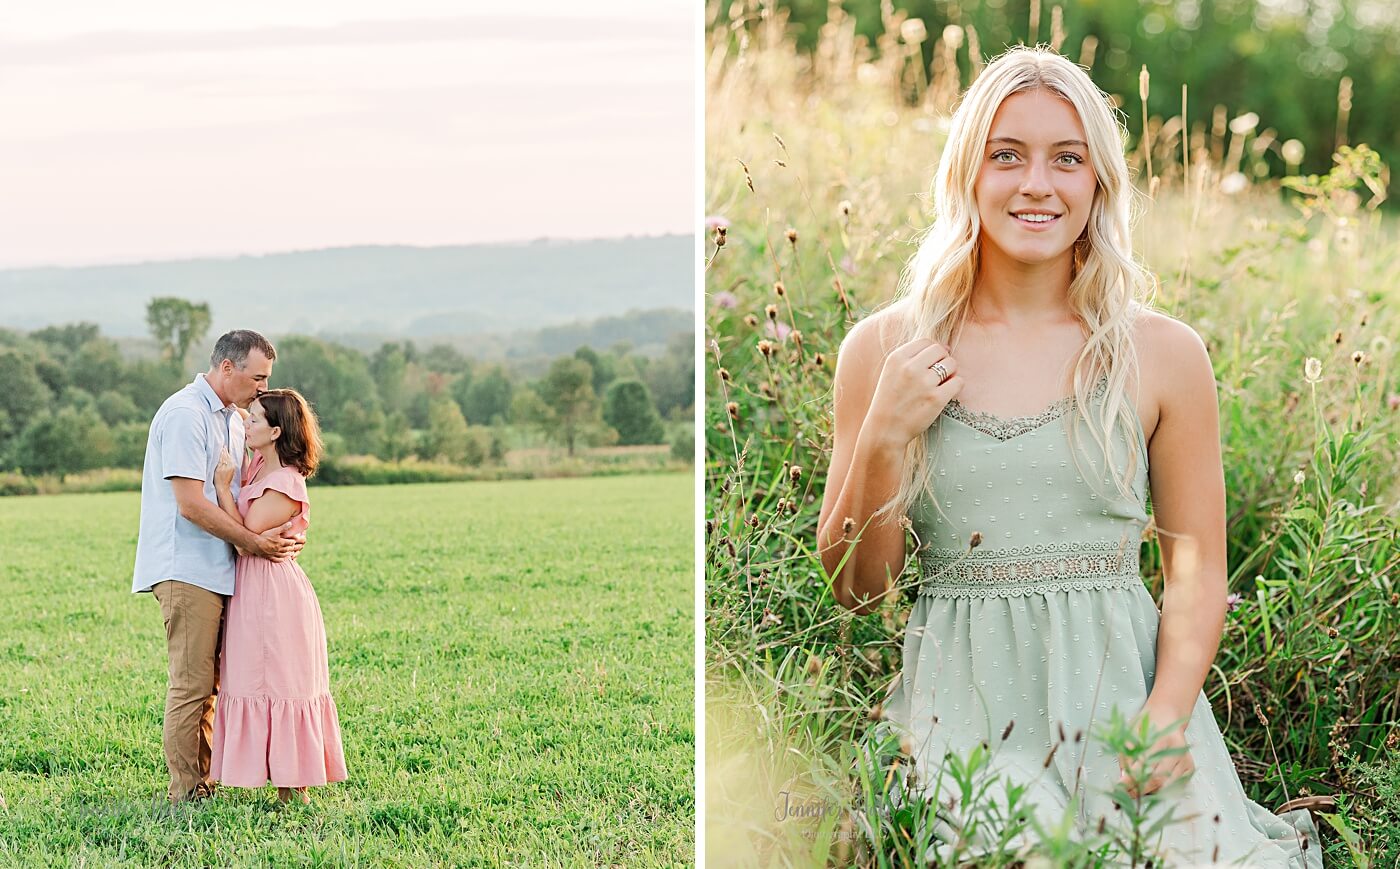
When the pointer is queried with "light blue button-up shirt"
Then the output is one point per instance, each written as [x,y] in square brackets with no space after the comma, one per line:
[186,436]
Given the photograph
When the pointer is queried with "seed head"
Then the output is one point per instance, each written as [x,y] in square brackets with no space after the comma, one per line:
[751,321]
[720,237]
[820,360]
[771,311]
[1312,367]
[1007,732]
[848,525]
[724,375]
[733,408]
[779,288]
[1299,478]
[792,236]
[766,389]
[976,540]
[765,347]
[814,665]
[795,473]
[1357,358]
[1337,338]
[845,207]
[877,712]
[1332,632]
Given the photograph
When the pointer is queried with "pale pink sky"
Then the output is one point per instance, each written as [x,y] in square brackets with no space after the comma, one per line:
[156,129]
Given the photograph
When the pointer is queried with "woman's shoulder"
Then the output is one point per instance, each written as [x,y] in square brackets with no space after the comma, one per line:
[1163,341]
[874,336]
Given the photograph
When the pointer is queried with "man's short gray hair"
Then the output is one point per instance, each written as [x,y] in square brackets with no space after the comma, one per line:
[236,345]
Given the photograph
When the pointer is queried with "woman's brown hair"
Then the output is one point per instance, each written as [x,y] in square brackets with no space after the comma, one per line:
[299,445]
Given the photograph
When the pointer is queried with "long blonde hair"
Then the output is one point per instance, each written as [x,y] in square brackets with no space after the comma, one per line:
[1108,289]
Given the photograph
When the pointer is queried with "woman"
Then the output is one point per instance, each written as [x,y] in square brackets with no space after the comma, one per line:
[1012,403]
[275,719]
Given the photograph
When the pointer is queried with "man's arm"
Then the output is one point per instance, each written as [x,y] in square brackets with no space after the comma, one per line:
[189,495]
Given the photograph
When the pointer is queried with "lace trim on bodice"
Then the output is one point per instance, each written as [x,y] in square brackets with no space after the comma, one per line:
[1005,428]
[1025,570]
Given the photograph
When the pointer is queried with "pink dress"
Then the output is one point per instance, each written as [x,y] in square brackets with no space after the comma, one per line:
[274,719]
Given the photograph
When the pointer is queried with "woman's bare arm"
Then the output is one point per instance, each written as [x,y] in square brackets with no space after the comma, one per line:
[1188,502]
[881,401]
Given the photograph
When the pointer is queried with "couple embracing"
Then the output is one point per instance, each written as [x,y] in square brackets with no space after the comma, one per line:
[245,630]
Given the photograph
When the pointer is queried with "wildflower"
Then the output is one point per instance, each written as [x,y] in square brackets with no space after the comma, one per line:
[1312,369]
[976,540]
[779,289]
[845,207]
[1299,478]
[716,221]
[1332,632]
[751,321]
[1233,601]
[1357,358]
[847,265]
[820,360]
[795,474]
[848,525]
[765,347]
[771,311]
[774,329]
[725,375]
[733,408]
[1392,401]
[725,299]
[792,236]
[1337,337]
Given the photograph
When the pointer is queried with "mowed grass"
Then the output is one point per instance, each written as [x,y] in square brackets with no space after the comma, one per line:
[513,665]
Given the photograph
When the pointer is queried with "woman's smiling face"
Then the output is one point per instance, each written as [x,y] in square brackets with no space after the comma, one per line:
[1035,185]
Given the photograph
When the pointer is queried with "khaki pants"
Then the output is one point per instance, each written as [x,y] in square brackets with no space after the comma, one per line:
[194,619]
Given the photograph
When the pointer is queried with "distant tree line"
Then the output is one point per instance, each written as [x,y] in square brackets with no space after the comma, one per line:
[72,402]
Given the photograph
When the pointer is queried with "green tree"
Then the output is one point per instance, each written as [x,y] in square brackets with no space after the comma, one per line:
[24,394]
[447,433]
[628,409]
[362,427]
[568,392]
[397,443]
[604,370]
[488,397]
[63,443]
[388,367]
[177,324]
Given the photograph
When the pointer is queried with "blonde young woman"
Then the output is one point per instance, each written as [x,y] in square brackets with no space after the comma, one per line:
[1014,402]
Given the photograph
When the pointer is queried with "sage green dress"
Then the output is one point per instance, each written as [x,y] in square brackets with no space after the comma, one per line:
[1047,624]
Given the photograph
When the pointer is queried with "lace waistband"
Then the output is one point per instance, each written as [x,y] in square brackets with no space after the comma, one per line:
[1026,570]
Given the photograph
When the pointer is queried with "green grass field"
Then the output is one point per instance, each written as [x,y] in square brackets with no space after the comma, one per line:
[513,665]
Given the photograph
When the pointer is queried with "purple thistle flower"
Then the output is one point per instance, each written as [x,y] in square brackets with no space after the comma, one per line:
[779,330]
[1233,601]
[715,221]
[725,299]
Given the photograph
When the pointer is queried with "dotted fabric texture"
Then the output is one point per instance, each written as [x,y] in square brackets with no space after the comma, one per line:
[1046,623]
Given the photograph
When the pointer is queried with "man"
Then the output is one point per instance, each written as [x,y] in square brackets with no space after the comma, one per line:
[183,553]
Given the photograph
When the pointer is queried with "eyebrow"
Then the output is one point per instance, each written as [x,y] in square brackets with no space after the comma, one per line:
[1060,144]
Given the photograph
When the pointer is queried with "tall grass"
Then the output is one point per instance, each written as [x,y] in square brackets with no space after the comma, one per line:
[817,170]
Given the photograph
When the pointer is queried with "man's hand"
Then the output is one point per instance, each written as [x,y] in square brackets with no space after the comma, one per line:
[274,547]
[300,541]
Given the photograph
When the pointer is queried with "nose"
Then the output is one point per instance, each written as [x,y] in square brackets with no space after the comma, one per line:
[1036,180]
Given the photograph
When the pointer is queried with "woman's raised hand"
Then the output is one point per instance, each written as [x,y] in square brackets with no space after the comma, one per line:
[224,471]
[909,395]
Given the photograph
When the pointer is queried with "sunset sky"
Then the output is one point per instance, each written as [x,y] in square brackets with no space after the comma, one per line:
[159,129]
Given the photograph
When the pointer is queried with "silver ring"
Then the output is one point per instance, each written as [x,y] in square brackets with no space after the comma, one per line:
[942,372]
